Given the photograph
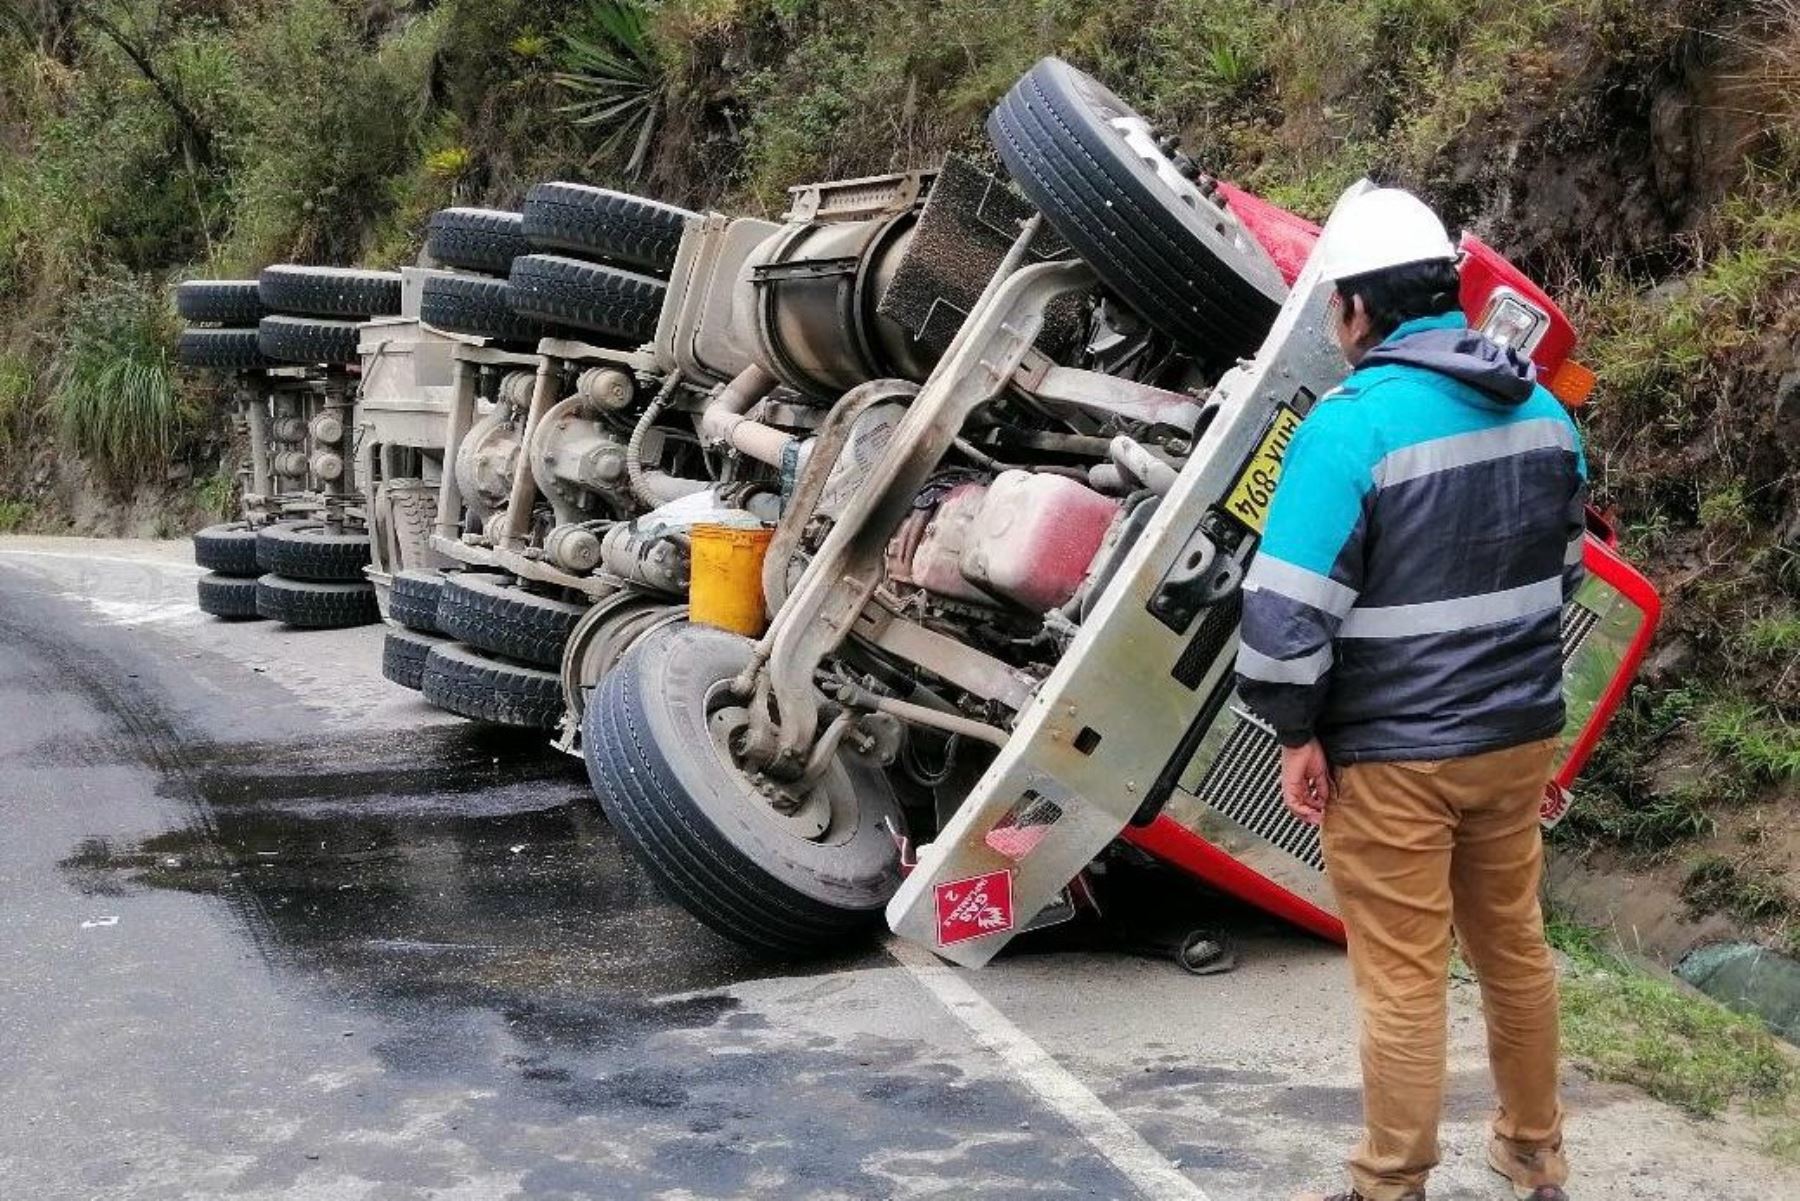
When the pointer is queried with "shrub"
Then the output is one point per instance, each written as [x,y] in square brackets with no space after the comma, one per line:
[112,382]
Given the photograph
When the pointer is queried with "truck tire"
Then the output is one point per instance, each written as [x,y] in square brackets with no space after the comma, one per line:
[462,680]
[403,655]
[492,612]
[308,550]
[314,605]
[262,547]
[590,296]
[1181,260]
[309,340]
[220,301]
[329,291]
[596,223]
[413,599]
[478,306]
[228,596]
[228,549]
[654,756]
[485,240]
[222,349]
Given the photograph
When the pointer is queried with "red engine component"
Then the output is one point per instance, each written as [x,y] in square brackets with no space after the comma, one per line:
[937,564]
[1035,537]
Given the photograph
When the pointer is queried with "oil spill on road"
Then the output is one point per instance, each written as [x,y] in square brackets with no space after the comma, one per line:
[496,960]
[417,963]
[457,858]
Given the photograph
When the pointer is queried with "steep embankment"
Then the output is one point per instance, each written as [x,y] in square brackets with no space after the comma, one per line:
[1637,155]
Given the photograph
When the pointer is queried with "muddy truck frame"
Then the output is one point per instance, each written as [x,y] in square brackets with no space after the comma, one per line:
[1012,449]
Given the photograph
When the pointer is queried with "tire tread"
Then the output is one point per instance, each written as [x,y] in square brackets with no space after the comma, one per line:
[489,612]
[311,604]
[477,239]
[462,680]
[615,227]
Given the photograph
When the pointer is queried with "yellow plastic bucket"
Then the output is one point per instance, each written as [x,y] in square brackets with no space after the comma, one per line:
[726,584]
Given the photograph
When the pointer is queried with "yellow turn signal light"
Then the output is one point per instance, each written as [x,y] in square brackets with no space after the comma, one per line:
[1571,383]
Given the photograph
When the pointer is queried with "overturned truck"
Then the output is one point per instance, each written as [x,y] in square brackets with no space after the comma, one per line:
[1010,458]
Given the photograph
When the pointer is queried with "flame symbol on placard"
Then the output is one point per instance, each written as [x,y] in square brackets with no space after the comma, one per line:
[976,903]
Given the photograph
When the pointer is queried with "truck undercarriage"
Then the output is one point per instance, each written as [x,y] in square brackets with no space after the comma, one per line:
[1013,457]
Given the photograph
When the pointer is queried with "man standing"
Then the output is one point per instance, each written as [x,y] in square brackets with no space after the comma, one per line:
[1401,633]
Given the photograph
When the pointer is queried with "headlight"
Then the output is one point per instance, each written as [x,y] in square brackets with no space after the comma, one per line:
[1511,320]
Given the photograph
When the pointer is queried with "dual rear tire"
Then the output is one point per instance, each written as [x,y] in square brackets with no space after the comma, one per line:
[299,573]
[316,604]
[228,552]
[479,645]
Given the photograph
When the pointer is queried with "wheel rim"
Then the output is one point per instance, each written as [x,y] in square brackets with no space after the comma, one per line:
[601,638]
[815,814]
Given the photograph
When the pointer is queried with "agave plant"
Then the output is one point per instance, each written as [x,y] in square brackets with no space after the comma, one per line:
[615,80]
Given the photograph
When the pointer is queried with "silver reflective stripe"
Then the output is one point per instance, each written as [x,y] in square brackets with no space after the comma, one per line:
[1463,613]
[1577,551]
[1269,574]
[1480,446]
[1255,665]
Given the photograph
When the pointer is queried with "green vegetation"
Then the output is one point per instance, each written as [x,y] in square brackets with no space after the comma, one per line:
[216,496]
[1620,1023]
[113,387]
[149,142]
[1752,740]
[17,403]
[1617,804]
[1776,634]
[1751,894]
[13,515]
[616,81]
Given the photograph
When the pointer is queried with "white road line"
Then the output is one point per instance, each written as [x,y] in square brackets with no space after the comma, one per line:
[1108,1133]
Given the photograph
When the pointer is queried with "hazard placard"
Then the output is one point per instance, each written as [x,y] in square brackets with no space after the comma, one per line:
[974,907]
[1555,806]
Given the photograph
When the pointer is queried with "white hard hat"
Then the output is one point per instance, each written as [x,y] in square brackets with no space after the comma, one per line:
[1382,228]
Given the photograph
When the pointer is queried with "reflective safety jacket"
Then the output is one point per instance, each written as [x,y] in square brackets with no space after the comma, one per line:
[1407,599]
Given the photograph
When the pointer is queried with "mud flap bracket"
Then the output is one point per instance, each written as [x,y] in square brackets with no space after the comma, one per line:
[1202,575]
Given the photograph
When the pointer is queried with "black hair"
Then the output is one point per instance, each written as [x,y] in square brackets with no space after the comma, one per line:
[1402,294]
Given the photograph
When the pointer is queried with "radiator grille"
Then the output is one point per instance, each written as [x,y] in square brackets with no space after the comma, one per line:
[1578,622]
[1244,781]
[1244,784]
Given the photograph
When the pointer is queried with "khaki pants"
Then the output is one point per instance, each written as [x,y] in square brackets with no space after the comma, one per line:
[1411,849]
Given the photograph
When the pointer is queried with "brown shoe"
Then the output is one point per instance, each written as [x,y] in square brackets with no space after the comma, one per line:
[1352,1195]
[1511,1165]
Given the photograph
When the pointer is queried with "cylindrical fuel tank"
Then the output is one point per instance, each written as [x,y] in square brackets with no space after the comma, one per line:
[809,293]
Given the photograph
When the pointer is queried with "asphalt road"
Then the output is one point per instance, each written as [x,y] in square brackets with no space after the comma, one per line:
[272,928]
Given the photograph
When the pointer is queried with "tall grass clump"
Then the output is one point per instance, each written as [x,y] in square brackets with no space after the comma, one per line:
[112,380]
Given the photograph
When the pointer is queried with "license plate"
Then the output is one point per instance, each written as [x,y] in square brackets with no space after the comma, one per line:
[1249,498]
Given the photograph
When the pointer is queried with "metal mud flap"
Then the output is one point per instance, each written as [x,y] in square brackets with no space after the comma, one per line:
[1120,707]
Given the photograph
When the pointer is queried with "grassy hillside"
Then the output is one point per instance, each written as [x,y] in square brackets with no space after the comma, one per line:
[1640,156]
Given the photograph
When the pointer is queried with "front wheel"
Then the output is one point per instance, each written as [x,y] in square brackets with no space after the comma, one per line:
[657,737]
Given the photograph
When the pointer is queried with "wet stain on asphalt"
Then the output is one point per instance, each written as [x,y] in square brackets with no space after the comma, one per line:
[444,973]
[464,857]
[492,937]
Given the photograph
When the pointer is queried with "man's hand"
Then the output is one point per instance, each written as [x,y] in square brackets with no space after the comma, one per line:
[1306,781]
